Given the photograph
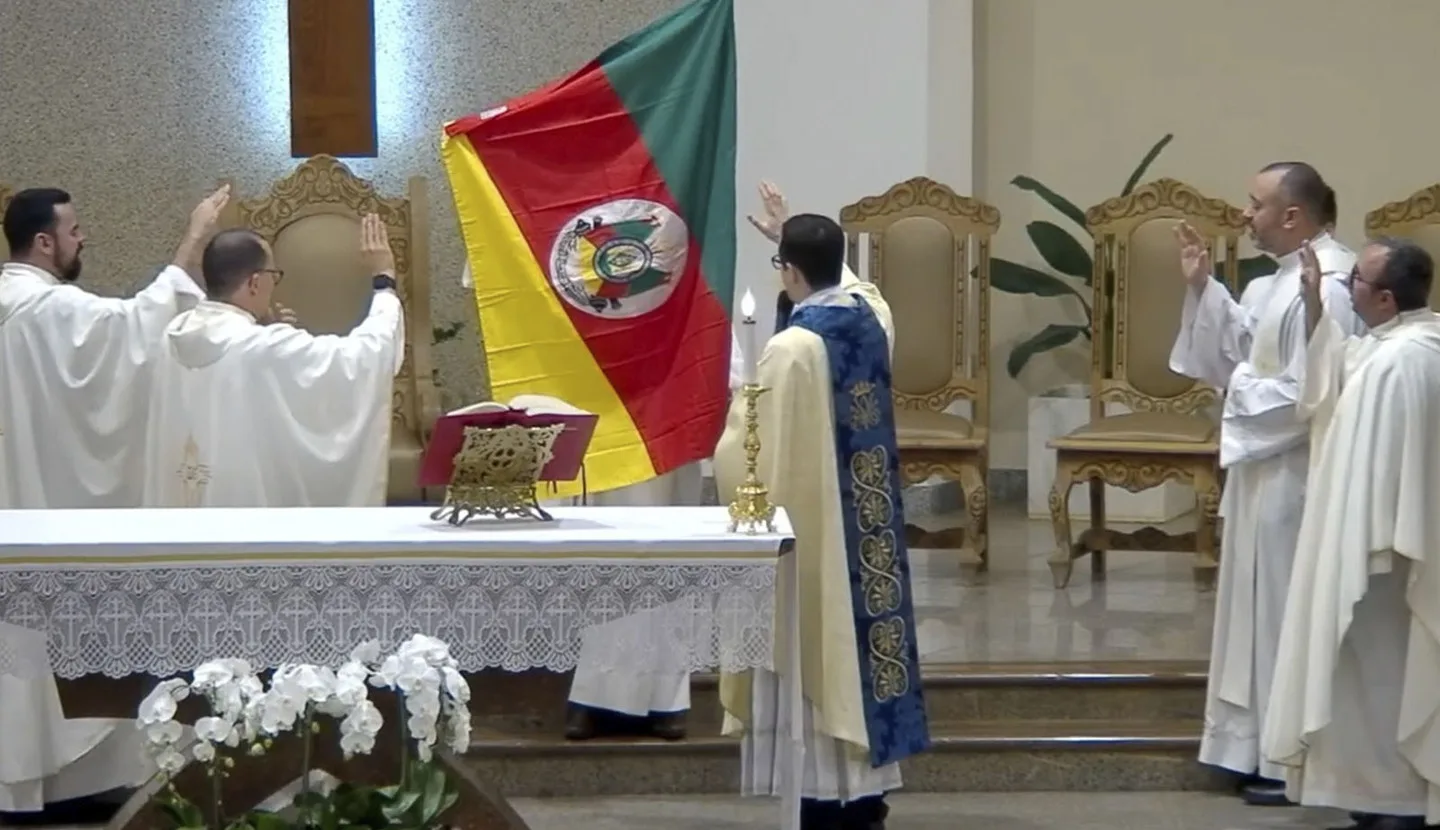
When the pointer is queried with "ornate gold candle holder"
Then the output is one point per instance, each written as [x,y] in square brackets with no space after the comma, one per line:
[495,474]
[751,510]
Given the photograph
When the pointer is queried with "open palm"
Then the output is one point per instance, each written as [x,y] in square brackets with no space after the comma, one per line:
[1194,254]
[776,212]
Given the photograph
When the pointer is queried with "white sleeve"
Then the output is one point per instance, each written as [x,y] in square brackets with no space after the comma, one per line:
[1215,335]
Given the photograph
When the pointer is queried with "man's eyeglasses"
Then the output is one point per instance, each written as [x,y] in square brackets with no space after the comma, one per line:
[777,262]
[275,273]
[1354,278]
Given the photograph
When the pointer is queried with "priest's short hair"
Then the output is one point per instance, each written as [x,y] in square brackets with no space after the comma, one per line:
[230,259]
[1302,186]
[30,213]
[1407,274]
[815,245]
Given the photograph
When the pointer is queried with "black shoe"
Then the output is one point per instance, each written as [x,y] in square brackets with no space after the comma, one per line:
[1395,823]
[579,723]
[821,815]
[866,813]
[91,809]
[669,726]
[1264,793]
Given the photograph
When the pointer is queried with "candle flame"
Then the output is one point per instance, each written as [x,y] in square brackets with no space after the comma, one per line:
[747,305]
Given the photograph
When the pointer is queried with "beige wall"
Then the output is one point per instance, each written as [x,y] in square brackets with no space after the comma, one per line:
[1073,93]
[138,106]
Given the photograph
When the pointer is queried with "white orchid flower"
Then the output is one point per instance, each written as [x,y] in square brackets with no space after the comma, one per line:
[367,653]
[159,705]
[455,685]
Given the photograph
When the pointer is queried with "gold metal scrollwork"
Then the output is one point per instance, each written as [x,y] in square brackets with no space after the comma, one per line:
[496,472]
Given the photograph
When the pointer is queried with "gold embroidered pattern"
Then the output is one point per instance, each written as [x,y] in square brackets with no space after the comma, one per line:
[194,476]
[880,581]
[864,406]
[889,674]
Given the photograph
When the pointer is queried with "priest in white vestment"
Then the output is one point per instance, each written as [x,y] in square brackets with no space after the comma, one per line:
[628,678]
[75,374]
[1248,348]
[631,676]
[826,728]
[1355,708]
[250,413]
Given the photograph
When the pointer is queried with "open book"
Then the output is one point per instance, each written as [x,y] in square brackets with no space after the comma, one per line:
[522,410]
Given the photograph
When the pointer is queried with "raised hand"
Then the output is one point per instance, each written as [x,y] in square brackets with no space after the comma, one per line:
[776,211]
[1194,255]
[282,314]
[375,250]
[1309,273]
[206,214]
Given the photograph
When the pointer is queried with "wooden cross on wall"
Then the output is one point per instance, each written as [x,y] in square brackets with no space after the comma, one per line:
[332,78]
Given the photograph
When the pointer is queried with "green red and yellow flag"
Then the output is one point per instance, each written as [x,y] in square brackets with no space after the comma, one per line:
[599,221]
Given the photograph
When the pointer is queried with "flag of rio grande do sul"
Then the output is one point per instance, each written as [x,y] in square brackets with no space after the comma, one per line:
[599,220]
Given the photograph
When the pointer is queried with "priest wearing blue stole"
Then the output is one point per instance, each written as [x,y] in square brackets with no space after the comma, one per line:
[843,705]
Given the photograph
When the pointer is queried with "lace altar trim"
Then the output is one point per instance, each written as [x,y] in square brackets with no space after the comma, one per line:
[166,620]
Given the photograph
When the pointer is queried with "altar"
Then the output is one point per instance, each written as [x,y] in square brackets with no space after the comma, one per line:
[123,595]
[121,592]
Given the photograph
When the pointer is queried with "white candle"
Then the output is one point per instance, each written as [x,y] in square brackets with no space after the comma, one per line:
[747,343]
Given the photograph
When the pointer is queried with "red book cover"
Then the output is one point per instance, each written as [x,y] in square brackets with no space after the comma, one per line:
[524,410]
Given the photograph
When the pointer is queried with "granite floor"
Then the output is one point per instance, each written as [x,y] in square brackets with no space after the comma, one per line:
[990,811]
[1147,607]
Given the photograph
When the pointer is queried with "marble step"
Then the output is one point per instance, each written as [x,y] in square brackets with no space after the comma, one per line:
[1068,754]
[958,693]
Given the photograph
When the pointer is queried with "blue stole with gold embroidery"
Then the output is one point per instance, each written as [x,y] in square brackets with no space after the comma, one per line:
[869,468]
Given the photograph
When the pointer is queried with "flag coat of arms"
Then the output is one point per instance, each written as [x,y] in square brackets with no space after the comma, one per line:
[598,215]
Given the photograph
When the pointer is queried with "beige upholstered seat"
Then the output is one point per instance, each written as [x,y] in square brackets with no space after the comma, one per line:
[1165,428]
[312,220]
[1416,219]
[922,243]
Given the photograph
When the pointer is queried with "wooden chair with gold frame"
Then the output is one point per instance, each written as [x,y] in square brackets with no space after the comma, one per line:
[1416,219]
[1165,429]
[311,219]
[928,252]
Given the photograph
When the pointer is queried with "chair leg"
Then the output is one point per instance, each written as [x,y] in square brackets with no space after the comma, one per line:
[974,557]
[1097,525]
[1207,530]
[1062,561]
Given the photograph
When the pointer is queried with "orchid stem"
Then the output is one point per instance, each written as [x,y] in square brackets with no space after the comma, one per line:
[404,743]
[305,770]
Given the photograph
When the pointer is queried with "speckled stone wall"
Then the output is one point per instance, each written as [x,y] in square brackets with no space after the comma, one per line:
[137,107]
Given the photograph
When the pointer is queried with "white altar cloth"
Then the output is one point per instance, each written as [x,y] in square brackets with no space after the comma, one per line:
[157,591]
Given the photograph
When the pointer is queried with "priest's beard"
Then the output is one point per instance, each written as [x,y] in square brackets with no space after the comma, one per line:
[69,271]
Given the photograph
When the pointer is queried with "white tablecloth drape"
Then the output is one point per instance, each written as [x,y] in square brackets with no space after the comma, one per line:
[158,591]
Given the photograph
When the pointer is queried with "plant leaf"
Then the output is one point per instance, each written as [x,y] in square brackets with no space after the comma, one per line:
[1061,250]
[1055,200]
[434,793]
[1052,336]
[261,820]
[1149,159]
[1014,278]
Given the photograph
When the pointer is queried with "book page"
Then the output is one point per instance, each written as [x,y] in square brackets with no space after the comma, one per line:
[544,405]
[483,406]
